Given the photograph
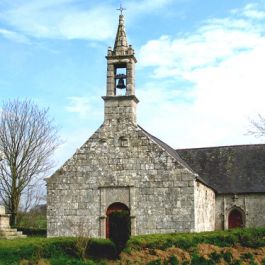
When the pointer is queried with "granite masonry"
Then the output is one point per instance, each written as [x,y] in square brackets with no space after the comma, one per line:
[122,164]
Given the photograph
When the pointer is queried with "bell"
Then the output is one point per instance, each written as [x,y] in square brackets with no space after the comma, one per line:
[121,84]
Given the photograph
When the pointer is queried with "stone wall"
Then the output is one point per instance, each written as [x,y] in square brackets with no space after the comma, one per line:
[120,108]
[2,209]
[120,163]
[252,205]
[204,208]
[6,232]
[4,218]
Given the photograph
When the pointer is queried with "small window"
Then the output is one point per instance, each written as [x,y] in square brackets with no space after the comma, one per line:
[102,141]
[124,142]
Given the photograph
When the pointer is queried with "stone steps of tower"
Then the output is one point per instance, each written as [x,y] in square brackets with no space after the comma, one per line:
[13,237]
[8,230]
[11,233]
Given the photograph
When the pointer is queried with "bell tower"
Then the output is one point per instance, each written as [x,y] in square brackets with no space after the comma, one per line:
[120,100]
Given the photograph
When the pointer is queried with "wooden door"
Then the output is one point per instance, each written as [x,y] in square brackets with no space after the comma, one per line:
[235,219]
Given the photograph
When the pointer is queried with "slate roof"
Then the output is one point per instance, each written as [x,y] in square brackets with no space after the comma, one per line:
[229,169]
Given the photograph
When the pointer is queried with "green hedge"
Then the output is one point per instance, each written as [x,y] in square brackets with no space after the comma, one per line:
[33,231]
[245,237]
[58,249]
[101,248]
[11,251]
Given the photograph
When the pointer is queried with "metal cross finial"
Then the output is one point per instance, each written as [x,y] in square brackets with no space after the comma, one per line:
[121,8]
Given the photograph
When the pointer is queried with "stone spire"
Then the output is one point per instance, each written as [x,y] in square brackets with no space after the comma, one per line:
[121,44]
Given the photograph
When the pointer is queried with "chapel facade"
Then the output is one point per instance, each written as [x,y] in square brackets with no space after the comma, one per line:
[123,167]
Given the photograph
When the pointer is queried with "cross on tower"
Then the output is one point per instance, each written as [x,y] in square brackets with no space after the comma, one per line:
[121,8]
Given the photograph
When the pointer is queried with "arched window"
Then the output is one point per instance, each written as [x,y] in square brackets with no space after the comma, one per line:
[235,218]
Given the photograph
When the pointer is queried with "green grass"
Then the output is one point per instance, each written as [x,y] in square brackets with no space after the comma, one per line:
[65,251]
[246,237]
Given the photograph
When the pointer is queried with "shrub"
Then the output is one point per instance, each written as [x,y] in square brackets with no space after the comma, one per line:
[35,218]
[247,256]
[236,262]
[216,257]
[227,256]
[70,261]
[33,231]
[198,260]
[54,249]
[188,240]
[101,248]
[173,260]
[155,262]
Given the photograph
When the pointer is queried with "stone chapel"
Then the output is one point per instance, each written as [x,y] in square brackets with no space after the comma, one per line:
[123,167]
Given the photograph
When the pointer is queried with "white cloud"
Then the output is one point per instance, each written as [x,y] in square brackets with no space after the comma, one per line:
[252,11]
[222,63]
[84,107]
[63,19]
[213,43]
[14,36]
[69,19]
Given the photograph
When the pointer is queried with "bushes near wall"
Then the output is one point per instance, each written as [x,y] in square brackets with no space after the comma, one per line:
[11,252]
[101,248]
[65,251]
[40,232]
[246,237]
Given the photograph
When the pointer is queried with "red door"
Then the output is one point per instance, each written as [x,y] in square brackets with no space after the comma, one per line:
[235,219]
[117,206]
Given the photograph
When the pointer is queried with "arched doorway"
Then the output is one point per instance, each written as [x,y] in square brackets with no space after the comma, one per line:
[113,208]
[235,219]
[118,224]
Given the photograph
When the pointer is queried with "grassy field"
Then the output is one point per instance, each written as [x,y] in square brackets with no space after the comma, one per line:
[235,247]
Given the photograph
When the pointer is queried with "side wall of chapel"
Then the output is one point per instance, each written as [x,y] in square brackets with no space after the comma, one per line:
[250,205]
[204,208]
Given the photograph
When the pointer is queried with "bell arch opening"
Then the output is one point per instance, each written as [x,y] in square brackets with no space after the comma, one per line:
[236,218]
[120,80]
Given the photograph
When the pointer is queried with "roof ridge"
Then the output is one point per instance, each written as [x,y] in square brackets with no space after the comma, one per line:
[220,146]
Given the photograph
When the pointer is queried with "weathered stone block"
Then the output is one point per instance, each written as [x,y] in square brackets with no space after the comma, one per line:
[2,209]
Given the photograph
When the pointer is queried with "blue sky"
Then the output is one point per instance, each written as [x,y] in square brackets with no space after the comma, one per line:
[200,71]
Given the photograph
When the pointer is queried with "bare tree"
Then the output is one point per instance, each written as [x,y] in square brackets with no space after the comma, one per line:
[32,196]
[257,126]
[28,138]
